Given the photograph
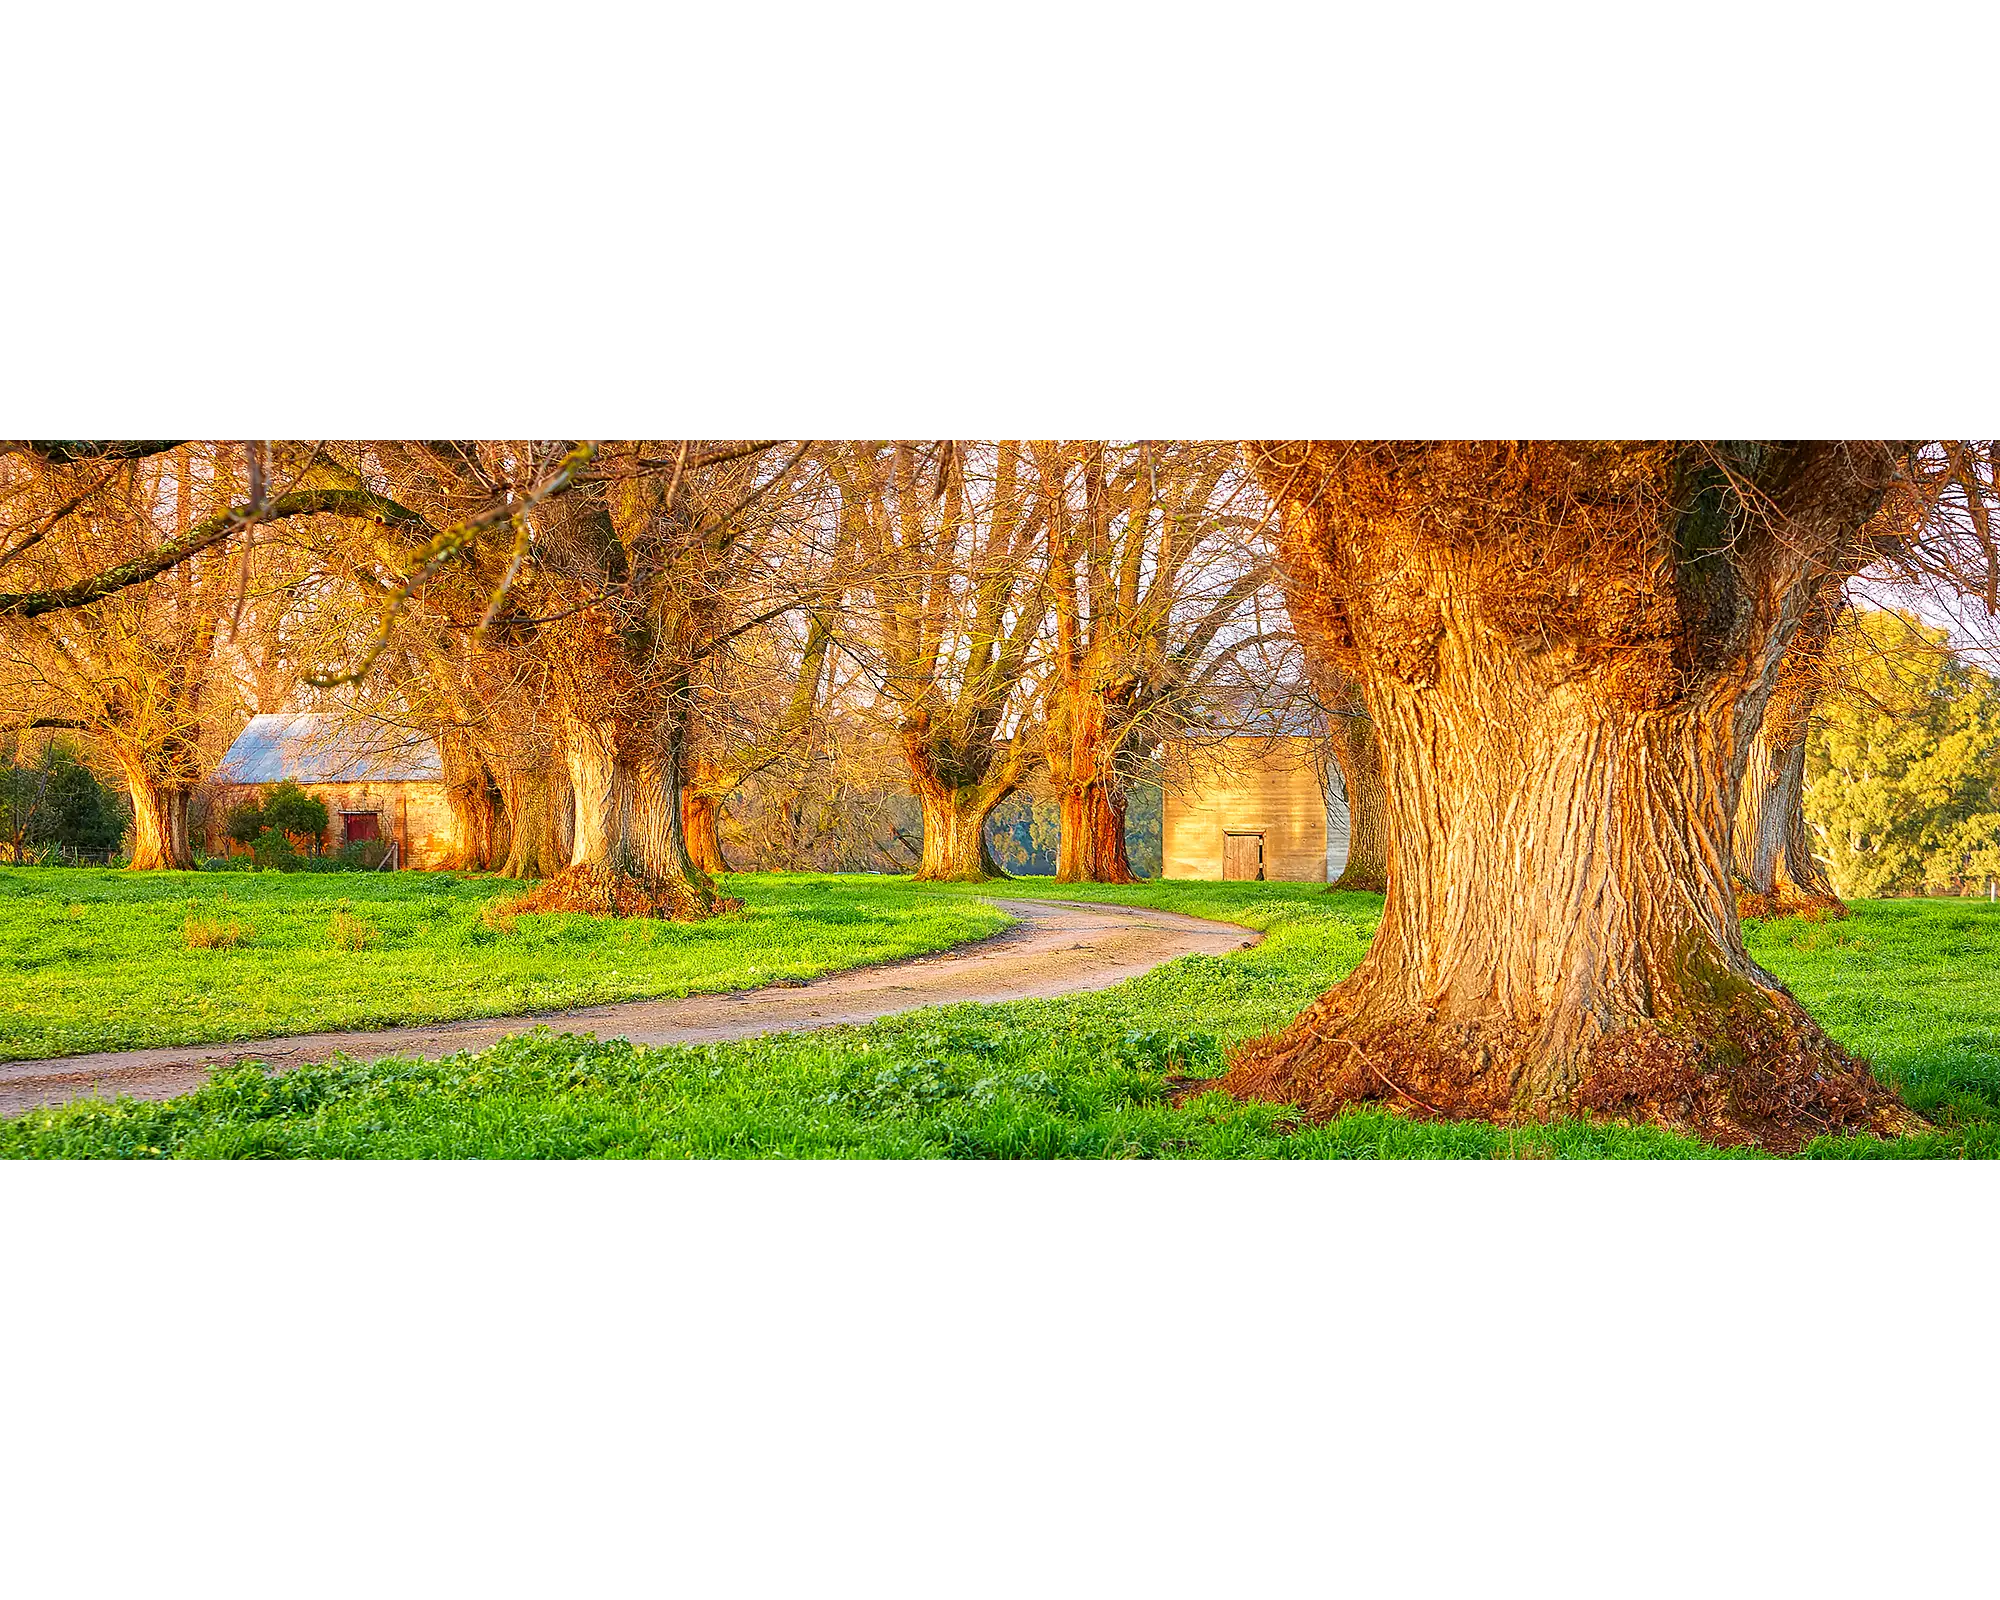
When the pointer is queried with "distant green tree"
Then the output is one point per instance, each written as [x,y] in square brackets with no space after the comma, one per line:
[1145,828]
[1903,765]
[1022,832]
[54,799]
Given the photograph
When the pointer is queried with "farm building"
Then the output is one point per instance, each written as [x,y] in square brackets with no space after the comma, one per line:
[1267,808]
[378,781]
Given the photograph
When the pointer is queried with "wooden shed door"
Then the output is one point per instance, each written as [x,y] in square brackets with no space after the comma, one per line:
[1243,856]
[359,825]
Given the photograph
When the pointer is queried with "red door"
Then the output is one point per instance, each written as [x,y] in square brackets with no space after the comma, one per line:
[360,825]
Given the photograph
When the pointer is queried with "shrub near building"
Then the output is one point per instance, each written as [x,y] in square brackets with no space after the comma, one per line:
[280,825]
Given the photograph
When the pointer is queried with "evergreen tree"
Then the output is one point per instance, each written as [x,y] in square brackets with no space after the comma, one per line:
[54,799]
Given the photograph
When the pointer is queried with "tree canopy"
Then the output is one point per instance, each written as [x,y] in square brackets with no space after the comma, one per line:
[1903,763]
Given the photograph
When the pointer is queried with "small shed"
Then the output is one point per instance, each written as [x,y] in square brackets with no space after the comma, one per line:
[1254,807]
[377,780]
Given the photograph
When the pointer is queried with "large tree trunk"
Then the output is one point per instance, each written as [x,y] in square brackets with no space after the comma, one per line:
[1359,757]
[1566,651]
[534,846]
[1780,874]
[701,821]
[468,792]
[954,849]
[1091,848]
[159,825]
[628,855]
[1082,755]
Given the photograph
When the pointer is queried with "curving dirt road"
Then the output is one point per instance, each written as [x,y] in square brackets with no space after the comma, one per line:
[1056,947]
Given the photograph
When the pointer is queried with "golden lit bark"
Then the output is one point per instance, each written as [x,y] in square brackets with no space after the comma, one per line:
[159,824]
[468,793]
[1359,757]
[1780,874]
[1092,846]
[628,855]
[955,806]
[701,822]
[534,847]
[1566,651]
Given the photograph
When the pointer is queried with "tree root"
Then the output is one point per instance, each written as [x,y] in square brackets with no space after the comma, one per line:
[1758,1074]
[598,891]
[1789,902]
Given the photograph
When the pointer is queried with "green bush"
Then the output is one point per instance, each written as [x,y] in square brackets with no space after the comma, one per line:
[245,822]
[276,823]
[290,810]
[272,849]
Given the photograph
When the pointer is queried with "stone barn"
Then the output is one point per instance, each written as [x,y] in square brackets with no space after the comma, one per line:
[1258,807]
[378,781]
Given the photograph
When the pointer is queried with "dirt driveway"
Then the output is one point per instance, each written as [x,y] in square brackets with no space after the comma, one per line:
[1056,947]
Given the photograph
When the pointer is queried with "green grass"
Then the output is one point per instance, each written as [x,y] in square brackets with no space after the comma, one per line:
[1914,984]
[99,960]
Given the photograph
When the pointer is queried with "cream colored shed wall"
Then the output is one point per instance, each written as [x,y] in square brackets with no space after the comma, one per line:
[413,810]
[1267,785]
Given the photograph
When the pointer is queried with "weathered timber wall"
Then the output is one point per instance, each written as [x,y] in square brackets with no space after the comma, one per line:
[1268,785]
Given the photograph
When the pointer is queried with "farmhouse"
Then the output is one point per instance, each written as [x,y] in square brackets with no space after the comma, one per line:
[378,781]
[1257,807]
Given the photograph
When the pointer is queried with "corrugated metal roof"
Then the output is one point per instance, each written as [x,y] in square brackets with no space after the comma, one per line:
[317,747]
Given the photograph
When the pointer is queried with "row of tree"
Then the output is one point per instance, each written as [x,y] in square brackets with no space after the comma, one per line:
[609,641]
[1574,683]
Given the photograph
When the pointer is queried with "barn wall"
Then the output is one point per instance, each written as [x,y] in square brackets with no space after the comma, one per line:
[1267,784]
[415,811]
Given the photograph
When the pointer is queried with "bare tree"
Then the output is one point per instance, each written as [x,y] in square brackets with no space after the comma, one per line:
[1158,551]
[949,592]
[128,653]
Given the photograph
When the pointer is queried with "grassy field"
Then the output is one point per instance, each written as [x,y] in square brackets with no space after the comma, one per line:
[1914,984]
[100,960]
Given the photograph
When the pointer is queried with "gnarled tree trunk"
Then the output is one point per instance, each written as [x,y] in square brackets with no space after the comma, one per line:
[1091,848]
[1780,874]
[469,794]
[701,821]
[955,814]
[534,846]
[1359,757]
[628,856]
[159,824]
[1566,649]
[1082,757]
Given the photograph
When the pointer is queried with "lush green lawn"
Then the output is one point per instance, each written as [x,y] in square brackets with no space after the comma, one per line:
[1914,984]
[99,960]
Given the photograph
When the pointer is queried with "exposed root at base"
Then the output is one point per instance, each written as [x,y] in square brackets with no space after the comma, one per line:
[599,892]
[1756,1076]
[1789,903]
